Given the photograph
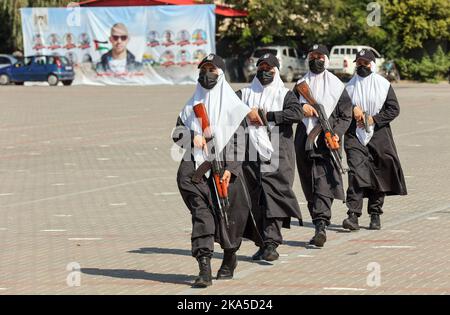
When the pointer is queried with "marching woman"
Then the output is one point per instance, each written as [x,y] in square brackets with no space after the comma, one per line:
[375,169]
[319,175]
[269,168]
[211,219]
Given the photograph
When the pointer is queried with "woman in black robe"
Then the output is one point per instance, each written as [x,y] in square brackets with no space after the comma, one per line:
[375,170]
[319,175]
[269,168]
[226,114]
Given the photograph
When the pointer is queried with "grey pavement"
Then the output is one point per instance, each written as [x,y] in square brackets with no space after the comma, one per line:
[88,180]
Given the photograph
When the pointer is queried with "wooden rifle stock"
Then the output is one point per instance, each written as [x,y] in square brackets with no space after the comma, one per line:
[217,169]
[304,90]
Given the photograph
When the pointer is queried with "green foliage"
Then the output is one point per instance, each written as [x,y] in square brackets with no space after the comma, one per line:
[428,69]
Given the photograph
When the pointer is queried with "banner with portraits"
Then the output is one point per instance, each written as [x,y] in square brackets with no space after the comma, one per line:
[124,45]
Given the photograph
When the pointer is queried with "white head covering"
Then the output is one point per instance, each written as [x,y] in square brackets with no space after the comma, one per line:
[269,98]
[326,89]
[369,93]
[225,112]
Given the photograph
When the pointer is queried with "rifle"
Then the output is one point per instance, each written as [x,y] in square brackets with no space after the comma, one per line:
[221,189]
[366,122]
[324,125]
[262,115]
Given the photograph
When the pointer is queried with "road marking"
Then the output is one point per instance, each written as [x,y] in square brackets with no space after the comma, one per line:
[344,289]
[111,176]
[64,196]
[305,256]
[35,153]
[62,215]
[59,184]
[84,239]
[166,194]
[53,230]
[140,154]
[394,246]
[69,164]
[103,159]
[10,147]
[432,218]
[414,145]
[3,289]
[6,194]
[104,146]
[118,204]
[284,255]
[3,229]
[397,231]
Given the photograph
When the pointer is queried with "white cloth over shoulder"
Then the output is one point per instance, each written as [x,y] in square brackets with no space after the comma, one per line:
[326,89]
[225,112]
[370,94]
[269,98]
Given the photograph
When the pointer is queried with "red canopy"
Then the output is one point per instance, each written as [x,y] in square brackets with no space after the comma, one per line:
[220,9]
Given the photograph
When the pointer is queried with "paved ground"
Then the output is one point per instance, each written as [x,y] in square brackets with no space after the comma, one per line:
[87,178]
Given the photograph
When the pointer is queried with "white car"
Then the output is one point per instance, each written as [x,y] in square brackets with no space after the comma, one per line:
[341,59]
[292,65]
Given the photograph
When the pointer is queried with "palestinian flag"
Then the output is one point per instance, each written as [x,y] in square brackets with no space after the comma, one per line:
[101,46]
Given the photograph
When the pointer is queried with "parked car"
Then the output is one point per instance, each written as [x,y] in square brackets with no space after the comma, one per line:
[51,69]
[292,66]
[341,59]
[7,60]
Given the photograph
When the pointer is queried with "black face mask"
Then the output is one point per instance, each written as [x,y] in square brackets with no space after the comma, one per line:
[317,66]
[265,77]
[363,71]
[208,80]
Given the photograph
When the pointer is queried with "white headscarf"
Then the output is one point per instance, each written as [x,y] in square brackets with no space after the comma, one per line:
[269,98]
[326,89]
[369,93]
[225,112]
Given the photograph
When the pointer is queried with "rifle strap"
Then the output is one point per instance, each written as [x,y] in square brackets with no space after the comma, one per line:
[201,171]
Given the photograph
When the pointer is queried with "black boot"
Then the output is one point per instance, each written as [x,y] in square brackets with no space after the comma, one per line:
[375,222]
[229,264]
[258,255]
[351,223]
[320,237]
[205,277]
[270,252]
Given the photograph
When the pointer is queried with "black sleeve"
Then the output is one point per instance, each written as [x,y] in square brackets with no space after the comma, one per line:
[342,114]
[390,110]
[291,113]
[183,136]
[235,150]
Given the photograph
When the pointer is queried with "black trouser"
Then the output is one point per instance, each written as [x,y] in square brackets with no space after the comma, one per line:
[320,208]
[272,231]
[355,196]
[203,230]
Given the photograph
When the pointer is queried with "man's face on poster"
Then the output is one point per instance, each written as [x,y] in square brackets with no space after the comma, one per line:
[119,39]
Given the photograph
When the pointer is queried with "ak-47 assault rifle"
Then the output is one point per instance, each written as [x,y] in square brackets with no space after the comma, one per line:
[214,164]
[324,125]
[263,117]
[366,122]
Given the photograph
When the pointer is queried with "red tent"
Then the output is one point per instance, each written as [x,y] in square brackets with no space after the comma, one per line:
[220,9]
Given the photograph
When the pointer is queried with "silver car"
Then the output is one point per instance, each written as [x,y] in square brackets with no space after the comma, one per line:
[7,60]
[292,66]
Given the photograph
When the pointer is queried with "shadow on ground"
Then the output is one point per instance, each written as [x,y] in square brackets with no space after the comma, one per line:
[185,252]
[140,275]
